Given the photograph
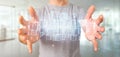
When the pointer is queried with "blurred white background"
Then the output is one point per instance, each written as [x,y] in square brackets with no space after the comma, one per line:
[109,46]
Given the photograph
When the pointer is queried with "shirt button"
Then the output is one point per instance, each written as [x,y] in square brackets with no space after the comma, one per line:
[53,45]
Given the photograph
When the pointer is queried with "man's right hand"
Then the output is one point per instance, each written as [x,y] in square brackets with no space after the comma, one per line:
[24,37]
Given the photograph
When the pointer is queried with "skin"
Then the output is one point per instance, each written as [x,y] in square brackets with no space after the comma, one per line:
[91,27]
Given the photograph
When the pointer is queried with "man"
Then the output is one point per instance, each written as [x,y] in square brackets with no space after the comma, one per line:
[59,29]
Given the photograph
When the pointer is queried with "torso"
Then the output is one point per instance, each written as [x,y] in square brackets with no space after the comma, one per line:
[60,32]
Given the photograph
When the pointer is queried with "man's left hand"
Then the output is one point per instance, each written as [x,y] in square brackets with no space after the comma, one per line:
[92,27]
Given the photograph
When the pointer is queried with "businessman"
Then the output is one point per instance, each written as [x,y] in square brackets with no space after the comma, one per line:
[60,23]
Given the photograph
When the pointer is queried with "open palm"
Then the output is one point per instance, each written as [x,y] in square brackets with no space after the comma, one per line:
[26,35]
[92,28]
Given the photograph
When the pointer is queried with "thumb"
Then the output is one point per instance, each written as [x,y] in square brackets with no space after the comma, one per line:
[29,46]
[22,21]
[95,45]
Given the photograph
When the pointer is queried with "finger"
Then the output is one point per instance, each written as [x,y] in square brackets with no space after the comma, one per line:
[95,45]
[99,19]
[23,38]
[29,46]
[35,38]
[22,21]
[22,31]
[32,12]
[90,12]
[22,35]
[90,37]
[101,29]
[98,36]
